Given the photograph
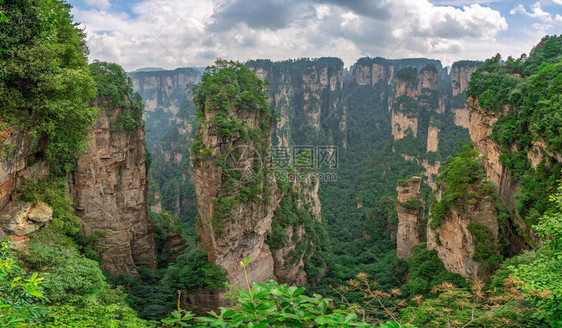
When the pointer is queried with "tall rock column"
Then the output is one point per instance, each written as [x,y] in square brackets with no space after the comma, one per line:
[109,183]
[460,76]
[410,209]
[235,195]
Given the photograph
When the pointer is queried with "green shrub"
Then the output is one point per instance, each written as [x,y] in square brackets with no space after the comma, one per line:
[192,271]
[408,74]
[72,277]
[460,174]
[19,293]
[273,305]
[426,271]
[542,274]
[53,191]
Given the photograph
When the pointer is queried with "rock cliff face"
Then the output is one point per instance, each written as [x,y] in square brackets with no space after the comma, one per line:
[306,95]
[410,209]
[481,128]
[289,257]
[108,188]
[456,244]
[240,199]
[109,192]
[460,76]
[432,139]
[21,160]
[164,90]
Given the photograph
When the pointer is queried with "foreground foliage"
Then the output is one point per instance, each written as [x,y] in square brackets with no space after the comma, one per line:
[542,276]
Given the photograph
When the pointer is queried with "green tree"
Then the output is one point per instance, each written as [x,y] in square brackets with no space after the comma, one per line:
[45,84]
[542,276]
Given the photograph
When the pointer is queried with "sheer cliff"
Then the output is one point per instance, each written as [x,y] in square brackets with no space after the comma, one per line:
[247,207]
[383,120]
[411,209]
[478,219]
[109,183]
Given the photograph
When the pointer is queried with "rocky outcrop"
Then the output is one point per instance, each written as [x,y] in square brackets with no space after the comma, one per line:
[433,138]
[431,170]
[410,208]
[460,76]
[109,191]
[462,117]
[456,244]
[481,128]
[416,92]
[402,125]
[19,218]
[21,160]
[371,74]
[232,229]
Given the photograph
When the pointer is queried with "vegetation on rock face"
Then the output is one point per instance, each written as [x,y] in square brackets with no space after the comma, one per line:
[231,95]
[228,87]
[115,91]
[408,74]
[462,175]
[45,83]
[542,275]
[525,94]
[407,105]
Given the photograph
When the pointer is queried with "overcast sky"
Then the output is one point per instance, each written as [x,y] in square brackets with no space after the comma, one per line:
[175,33]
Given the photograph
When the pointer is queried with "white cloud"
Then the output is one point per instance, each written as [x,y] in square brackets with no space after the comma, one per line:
[314,28]
[102,4]
[547,20]
[536,12]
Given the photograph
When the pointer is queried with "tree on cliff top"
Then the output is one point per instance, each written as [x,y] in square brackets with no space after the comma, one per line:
[45,83]
[229,86]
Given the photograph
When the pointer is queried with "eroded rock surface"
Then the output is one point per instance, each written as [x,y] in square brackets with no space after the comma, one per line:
[410,209]
[109,192]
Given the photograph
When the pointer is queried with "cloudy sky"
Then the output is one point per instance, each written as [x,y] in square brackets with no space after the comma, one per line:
[175,33]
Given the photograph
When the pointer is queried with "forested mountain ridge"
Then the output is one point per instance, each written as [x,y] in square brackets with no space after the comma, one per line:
[314,105]
[319,103]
